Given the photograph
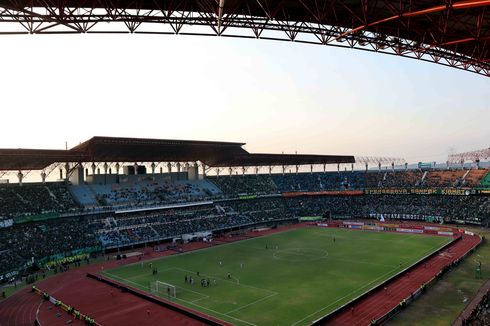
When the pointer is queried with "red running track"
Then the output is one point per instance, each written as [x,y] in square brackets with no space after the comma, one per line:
[94,298]
[19,309]
[383,300]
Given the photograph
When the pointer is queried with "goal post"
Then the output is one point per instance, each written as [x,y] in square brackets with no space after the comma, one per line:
[163,289]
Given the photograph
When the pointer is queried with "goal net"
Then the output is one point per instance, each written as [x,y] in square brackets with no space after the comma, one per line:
[163,289]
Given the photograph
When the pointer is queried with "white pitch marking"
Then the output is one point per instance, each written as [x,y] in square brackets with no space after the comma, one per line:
[252,303]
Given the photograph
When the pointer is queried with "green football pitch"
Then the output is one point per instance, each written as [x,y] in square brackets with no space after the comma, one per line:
[288,278]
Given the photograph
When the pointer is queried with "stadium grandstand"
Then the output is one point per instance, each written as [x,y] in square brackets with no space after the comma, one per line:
[118,194]
[137,231]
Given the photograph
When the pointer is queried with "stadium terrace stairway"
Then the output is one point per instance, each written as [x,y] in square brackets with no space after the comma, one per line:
[382,300]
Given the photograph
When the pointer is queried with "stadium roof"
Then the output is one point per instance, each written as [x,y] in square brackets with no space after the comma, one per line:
[36,159]
[453,33]
[113,149]
[280,159]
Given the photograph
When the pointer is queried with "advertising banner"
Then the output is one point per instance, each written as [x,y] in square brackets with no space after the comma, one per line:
[6,223]
[433,228]
[419,191]
[8,275]
[373,227]
[353,223]
[444,233]
[324,193]
[388,225]
[355,226]
[410,230]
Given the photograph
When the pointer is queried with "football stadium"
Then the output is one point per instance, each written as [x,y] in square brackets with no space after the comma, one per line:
[202,232]
[156,223]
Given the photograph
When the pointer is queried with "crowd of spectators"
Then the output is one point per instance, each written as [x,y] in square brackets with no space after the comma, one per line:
[449,178]
[475,177]
[22,244]
[248,184]
[154,193]
[126,229]
[17,200]
[144,227]
[319,181]
[34,199]
[394,179]
[233,186]
[451,208]
[480,316]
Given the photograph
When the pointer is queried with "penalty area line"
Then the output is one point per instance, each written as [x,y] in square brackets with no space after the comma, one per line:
[215,312]
[182,300]
[252,303]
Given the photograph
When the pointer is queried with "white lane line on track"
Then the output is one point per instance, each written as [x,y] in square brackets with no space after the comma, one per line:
[37,312]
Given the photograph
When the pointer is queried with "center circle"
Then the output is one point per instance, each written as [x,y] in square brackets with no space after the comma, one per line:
[299,254]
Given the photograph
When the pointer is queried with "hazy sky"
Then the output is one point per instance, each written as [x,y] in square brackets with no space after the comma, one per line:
[275,96]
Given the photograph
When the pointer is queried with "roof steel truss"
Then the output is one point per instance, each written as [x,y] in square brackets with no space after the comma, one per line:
[451,33]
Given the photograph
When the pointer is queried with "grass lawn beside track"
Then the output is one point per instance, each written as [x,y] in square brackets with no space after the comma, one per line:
[443,302]
[302,275]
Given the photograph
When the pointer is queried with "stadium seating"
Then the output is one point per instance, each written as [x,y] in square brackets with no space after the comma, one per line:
[144,193]
[23,242]
[245,184]
[474,177]
[451,178]
[18,200]
[84,195]
[393,179]
[319,181]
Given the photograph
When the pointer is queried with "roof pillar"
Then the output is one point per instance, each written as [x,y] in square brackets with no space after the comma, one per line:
[20,176]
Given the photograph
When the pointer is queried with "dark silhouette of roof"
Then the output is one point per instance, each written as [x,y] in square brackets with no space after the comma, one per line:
[114,149]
